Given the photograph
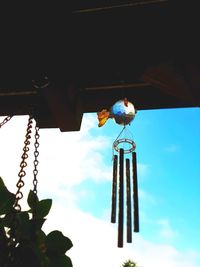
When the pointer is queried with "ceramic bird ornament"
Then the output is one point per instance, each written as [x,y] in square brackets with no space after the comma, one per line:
[123,112]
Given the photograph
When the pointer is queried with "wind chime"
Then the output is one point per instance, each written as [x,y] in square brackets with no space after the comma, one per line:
[124,183]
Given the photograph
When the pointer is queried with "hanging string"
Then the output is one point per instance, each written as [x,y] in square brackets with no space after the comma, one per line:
[117,139]
[120,133]
[127,138]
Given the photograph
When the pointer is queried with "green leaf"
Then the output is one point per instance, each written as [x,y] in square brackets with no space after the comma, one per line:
[61,261]
[57,243]
[7,200]
[38,223]
[41,237]
[2,185]
[40,248]
[3,237]
[32,199]
[67,261]
[24,226]
[43,208]
[7,220]
[22,217]
[3,247]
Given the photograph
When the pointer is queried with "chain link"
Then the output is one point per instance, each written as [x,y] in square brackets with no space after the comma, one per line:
[23,164]
[5,121]
[36,162]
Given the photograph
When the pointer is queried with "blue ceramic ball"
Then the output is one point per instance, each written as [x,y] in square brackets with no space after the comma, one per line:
[123,112]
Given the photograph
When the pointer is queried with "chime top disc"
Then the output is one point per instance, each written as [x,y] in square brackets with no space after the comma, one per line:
[127,144]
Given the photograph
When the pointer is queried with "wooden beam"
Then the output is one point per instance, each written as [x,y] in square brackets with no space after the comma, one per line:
[116,86]
[117,6]
[65,106]
[167,78]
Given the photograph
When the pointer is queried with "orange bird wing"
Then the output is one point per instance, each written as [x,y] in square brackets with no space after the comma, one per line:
[103,116]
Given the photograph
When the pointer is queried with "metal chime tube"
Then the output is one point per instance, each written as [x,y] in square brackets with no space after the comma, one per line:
[135,193]
[121,199]
[128,202]
[114,190]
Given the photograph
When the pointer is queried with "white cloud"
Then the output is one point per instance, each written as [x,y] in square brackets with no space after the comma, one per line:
[142,169]
[74,156]
[166,230]
[146,197]
[65,160]
[95,242]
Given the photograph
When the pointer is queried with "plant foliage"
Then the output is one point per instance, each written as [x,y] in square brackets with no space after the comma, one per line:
[129,263]
[22,240]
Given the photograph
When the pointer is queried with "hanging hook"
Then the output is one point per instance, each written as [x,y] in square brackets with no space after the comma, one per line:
[41,83]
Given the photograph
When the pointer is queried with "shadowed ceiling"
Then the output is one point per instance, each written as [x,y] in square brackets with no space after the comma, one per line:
[63,61]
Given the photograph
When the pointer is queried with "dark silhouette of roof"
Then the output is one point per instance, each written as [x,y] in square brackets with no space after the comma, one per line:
[83,56]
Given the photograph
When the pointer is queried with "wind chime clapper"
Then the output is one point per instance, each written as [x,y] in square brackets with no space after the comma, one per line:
[124,184]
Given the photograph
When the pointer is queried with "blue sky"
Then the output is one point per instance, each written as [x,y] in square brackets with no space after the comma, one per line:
[76,169]
[168,149]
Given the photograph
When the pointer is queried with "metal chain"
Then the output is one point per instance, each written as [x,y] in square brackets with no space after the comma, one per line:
[19,195]
[23,164]
[36,162]
[5,121]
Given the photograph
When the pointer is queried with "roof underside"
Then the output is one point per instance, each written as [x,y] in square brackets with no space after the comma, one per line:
[64,61]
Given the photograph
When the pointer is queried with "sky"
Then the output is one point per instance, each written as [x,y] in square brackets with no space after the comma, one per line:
[75,171]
